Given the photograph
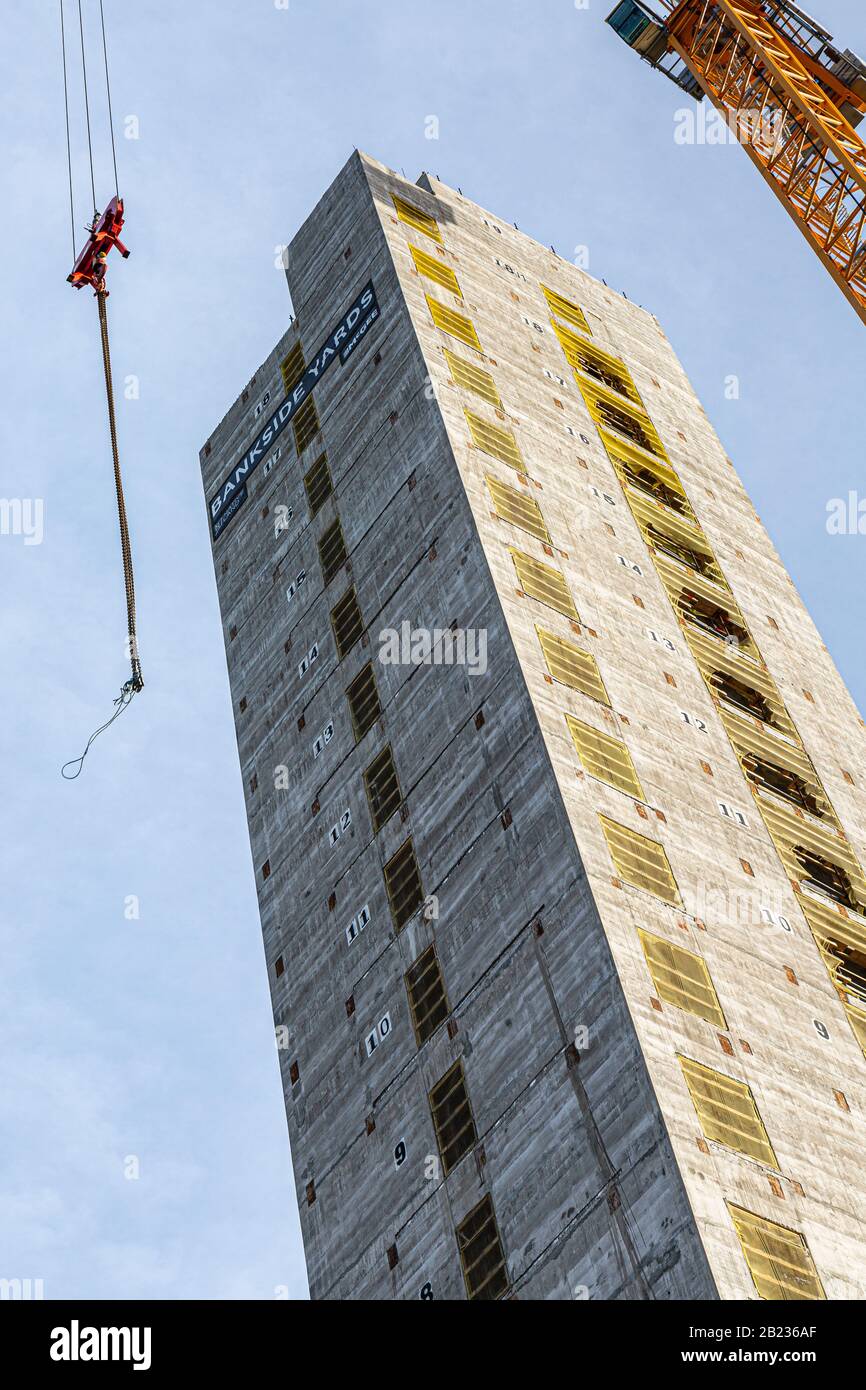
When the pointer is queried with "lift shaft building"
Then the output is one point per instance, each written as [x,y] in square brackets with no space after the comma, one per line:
[556,799]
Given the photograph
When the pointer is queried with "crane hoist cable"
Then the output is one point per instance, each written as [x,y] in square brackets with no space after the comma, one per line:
[89,269]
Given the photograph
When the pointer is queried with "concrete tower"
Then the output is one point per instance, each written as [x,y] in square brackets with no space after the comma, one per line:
[556,799]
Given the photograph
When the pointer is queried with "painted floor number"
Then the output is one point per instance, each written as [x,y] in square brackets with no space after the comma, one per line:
[378,1035]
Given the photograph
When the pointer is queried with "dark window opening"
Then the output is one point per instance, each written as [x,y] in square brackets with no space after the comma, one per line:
[364,702]
[704,565]
[383,788]
[783,782]
[828,879]
[332,551]
[347,623]
[403,884]
[427,998]
[317,484]
[481,1253]
[614,380]
[713,619]
[452,1117]
[623,423]
[743,697]
[850,970]
[647,482]
[306,424]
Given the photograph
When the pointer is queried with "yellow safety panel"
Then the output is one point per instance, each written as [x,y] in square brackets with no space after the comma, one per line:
[451,322]
[565,309]
[433,269]
[727,1111]
[517,508]
[682,979]
[779,1260]
[604,757]
[472,378]
[572,666]
[544,583]
[640,861]
[292,368]
[414,217]
[499,443]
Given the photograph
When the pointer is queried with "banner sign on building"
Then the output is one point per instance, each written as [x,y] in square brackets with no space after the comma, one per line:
[341,341]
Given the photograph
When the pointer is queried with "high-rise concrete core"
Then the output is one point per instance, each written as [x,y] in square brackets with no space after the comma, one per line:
[556,799]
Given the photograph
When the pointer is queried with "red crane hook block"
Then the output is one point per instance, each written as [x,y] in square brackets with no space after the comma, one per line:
[89,269]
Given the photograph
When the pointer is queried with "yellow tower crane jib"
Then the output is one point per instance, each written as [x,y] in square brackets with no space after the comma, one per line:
[792,98]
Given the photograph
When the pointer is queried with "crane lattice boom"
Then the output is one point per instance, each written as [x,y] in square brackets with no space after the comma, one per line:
[792,99]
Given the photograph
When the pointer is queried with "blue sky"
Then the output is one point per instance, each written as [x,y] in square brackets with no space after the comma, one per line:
[152,1037]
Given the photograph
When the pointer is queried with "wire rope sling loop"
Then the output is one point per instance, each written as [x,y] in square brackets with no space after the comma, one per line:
[89,269]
